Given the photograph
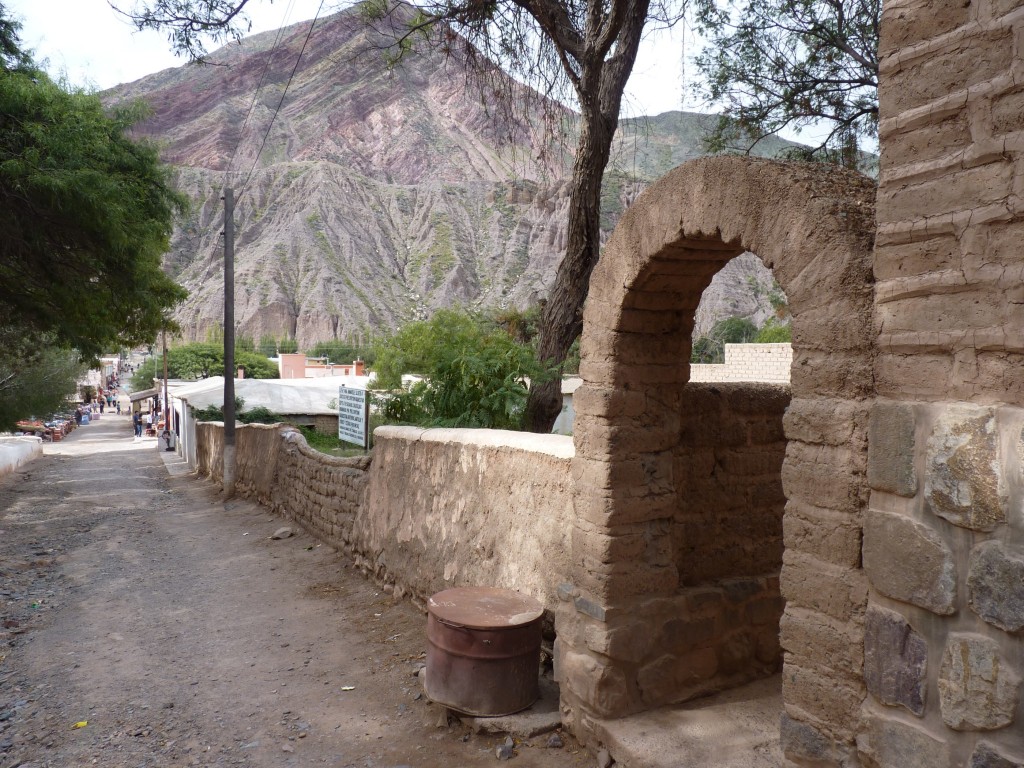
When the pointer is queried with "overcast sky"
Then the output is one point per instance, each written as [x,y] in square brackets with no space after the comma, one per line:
[90,42]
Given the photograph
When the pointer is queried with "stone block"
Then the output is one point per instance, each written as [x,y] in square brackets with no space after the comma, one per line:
[889,743]
[995,585]
[604,688]
[895,660]
[664,679]
[978,689]
[907,561]
[986,756]
[804,743]
[680,634]
[963,473]
[891,449]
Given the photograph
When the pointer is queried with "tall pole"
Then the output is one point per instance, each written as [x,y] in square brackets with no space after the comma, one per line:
[167,403]
[229,342]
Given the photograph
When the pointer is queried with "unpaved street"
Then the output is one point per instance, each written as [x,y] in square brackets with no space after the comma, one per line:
[132,600]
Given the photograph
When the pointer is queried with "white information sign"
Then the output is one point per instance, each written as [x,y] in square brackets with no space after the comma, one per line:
[352,413]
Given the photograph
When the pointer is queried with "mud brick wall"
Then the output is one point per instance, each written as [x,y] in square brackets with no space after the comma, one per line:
[459,507]
[324,494]
[728,472]
[433,508]
[944,536]
[721,627]
[748,362]
[275,466]
[813,227]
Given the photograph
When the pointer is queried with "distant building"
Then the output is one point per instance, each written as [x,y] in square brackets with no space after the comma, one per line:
[297,366]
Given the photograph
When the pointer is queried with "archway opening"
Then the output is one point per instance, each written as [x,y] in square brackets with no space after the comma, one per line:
[672,602]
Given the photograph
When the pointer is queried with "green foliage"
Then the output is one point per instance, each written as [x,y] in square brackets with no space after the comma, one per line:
[731,330]
[476,374]
[216,412]
[772,64]
[521,325]
[256,365]
[774,332]
[418,347]
[36,379]
[259,415]
[144,374]
[267,346]
[86,214]
[200,360]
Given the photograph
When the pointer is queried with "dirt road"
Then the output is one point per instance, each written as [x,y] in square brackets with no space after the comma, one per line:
[133,601]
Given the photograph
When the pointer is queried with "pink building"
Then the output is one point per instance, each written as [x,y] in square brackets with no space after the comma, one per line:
[298,366]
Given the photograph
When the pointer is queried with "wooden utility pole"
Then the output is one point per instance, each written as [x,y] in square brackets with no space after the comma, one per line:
[167,402]
[229,342]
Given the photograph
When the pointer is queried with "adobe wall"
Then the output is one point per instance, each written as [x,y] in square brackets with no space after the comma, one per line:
[455,507]
[432,510]
[720,626]
[944,537]
[728,478]
[813,226]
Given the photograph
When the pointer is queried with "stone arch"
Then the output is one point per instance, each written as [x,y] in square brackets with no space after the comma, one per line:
[813,226]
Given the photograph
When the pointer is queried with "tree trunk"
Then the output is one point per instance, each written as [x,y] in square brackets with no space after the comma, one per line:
[562,319]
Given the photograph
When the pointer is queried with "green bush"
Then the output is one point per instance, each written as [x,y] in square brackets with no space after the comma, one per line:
[476,374]
[774,332]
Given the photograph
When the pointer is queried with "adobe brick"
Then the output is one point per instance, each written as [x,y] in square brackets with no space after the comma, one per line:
[950,193]
[808,582]
[823,692]
[831,476]
[963,63]
[830,536]
[593,400]
[945,137]
[827,421]
[914,22]
[814,639]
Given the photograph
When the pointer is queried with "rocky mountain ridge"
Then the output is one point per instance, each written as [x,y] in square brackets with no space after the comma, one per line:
[379,193]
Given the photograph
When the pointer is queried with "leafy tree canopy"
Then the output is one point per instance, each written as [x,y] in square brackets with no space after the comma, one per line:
[730,330]
[200,360]
[476,375]
[36,377]
[86,214]
[773,64]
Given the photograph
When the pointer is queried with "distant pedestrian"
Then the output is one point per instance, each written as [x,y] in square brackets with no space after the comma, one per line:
[137,423]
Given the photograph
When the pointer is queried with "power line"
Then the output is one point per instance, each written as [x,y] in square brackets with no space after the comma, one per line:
[279,103]
[259,85]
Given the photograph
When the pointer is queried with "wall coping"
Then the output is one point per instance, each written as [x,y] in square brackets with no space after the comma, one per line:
[559,446]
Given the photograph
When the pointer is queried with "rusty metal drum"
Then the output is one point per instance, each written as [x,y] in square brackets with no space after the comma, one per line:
[483,650]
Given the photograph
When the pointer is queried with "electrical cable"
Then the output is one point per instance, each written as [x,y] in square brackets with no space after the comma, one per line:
[281,102]
[259,85]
